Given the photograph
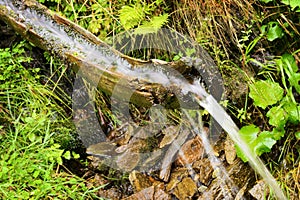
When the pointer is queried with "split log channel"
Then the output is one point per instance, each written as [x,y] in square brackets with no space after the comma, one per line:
[24,15]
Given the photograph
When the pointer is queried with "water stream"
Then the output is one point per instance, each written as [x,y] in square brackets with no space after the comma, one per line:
[227,186]
[57,35]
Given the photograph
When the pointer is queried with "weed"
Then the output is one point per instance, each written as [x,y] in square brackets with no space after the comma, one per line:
[282,109]
[31,156]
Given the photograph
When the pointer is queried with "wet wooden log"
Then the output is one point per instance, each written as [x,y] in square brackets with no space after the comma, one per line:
[142,92]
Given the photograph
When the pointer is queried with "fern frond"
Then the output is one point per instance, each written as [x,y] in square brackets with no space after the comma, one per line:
[153,25]
[131,16]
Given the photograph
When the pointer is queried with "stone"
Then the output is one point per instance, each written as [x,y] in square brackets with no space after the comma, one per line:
[185,189]
[191,151]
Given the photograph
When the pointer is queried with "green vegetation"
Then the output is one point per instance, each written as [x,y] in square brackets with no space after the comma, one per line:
[106,18]
[282,110]
[33,129]
[276,90]
[257,41]
[136,16]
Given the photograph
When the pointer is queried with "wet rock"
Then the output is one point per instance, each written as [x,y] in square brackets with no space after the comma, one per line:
[182,186]
[230,152]
[153,162]
[240,194]
[139,181]
[191,151]
[96,181]
[122,134]
[231,185]
[128,160]
[205,170]
[176,177]
[185,189]
[259,190]
[202,188]
[170,133]
[112,193]
[151,193]
[170,155]
[102,149]
[160,194]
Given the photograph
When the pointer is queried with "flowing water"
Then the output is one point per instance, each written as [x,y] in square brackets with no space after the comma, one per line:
[219,114]
[57,36]
[227,186]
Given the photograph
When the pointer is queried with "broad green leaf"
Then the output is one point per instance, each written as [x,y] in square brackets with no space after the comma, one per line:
[289,63]
[293,111]
[258,143]
[263,143]
[277,133]
[240,154]
[248,134]
[31,137]
[297,134]
[290,67]
[274,31]
[293,3]
[277,116]
[75,155]
[67,155]
[265,93]
[294,80]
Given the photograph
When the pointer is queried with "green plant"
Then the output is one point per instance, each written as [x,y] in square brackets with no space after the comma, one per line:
[31,156]
[100,17]
[294,4]
[282,108]
[272,30]
[141,15]
[12,71]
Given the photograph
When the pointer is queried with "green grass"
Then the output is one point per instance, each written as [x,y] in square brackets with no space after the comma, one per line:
[32,131]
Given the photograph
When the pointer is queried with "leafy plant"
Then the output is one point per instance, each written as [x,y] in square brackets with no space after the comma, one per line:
[266,1]
[141,15]
[153,25]
[131,16]
[31,156]
[12,71]
[259,143]
[265,93]
[285,109]
[100,17]
[272,30]
[96,16]
[295,4]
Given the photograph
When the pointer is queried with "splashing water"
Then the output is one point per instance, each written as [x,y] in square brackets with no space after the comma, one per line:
[227,186]
[219,114]
[57,35]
